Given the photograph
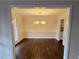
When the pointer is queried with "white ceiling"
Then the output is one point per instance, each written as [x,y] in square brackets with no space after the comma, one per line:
[38,11]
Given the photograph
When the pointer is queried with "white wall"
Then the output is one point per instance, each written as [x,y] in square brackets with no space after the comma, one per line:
[20,26]
[27,28]
[49,30]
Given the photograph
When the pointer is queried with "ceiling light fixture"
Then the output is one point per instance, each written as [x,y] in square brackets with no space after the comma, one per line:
[36,22]
[43,22]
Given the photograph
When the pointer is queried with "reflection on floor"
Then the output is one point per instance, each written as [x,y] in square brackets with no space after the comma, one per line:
[39,49]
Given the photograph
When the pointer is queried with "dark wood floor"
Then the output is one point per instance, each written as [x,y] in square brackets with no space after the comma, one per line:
[39,49]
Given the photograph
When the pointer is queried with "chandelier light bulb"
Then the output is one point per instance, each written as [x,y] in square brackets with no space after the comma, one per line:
[43,22]
[36,22]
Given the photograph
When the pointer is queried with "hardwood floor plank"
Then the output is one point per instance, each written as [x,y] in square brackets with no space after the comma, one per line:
[39,49]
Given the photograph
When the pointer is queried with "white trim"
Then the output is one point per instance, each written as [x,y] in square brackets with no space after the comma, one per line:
[52,6]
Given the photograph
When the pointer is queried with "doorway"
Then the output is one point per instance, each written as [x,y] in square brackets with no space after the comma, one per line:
[40,23]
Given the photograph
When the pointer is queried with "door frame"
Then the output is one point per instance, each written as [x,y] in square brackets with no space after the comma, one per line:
[53,5]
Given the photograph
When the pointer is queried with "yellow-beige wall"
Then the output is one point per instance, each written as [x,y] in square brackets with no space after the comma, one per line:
[27,28]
